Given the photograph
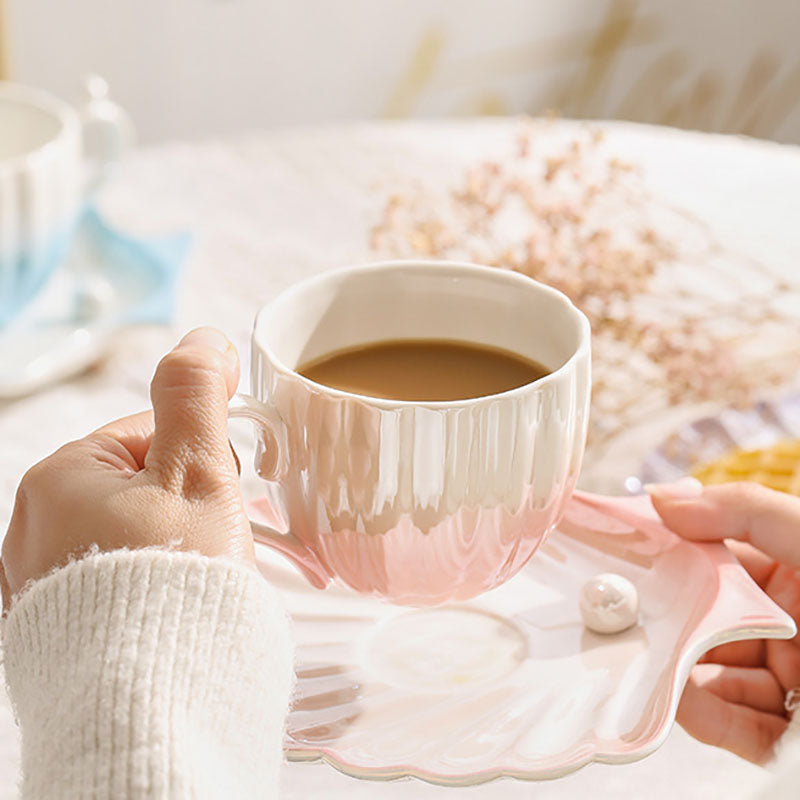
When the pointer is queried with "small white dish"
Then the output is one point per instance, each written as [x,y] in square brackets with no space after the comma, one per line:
[512,683]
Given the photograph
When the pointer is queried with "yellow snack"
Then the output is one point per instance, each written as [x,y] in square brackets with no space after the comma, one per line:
[777,467]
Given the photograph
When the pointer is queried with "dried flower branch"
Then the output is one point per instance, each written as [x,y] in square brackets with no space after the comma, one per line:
[675,317]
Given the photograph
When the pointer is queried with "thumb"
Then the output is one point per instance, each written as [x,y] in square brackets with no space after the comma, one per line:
[190,393]
[748,512]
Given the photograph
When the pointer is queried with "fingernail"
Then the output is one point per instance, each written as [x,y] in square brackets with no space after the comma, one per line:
[206,337]
[210,337]
[684,489]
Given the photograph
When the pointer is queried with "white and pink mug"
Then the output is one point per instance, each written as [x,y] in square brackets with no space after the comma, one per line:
[419,503]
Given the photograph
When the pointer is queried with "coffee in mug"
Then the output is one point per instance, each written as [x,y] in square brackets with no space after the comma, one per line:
[418,501]
[423,370]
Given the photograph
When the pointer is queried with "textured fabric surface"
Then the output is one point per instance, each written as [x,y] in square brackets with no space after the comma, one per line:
[785,785]
[149,675]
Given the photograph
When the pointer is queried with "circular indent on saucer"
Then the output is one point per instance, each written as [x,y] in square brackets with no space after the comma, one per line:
[444,649]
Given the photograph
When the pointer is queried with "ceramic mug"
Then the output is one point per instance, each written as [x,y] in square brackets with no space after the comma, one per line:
[45,177]
[417,502]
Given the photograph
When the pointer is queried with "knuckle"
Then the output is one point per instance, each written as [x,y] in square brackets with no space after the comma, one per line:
[46,475]
[194,471]
[743,495]
[766,736]
[201,479]
[101,439]
[33,479]
[732,689]
[33,487]
[752,492]
[757,503]
[106,449]
[41,474]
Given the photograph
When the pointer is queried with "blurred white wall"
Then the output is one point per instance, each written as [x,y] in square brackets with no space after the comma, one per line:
[199,68]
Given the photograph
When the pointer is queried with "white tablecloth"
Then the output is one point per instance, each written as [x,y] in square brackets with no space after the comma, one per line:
[269,210]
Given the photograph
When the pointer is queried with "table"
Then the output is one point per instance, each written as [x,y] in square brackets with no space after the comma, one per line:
[268,210]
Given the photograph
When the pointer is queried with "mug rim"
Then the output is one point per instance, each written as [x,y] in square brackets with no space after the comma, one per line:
[42,100]
[581,351]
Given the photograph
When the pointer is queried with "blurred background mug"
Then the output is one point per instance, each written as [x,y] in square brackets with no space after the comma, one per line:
[416,502]
[52,156]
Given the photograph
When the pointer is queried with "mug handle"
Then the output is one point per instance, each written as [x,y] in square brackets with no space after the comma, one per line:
[272,463]
[107,132]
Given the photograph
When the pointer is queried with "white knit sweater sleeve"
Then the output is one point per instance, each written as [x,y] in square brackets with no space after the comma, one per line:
[149,674]
[785,783]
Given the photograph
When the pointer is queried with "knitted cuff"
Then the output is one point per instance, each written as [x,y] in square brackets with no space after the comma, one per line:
[149,674]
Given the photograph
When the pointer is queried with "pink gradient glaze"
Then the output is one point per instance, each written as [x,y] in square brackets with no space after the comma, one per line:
[463,556]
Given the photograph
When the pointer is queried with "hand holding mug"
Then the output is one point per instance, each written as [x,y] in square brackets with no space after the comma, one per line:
[162,478]
[415,502]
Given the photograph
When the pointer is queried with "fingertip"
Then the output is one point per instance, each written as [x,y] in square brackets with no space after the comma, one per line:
[691,517]
[214,339]
[676,503]
[190,391]
[206,337]
[745,511]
